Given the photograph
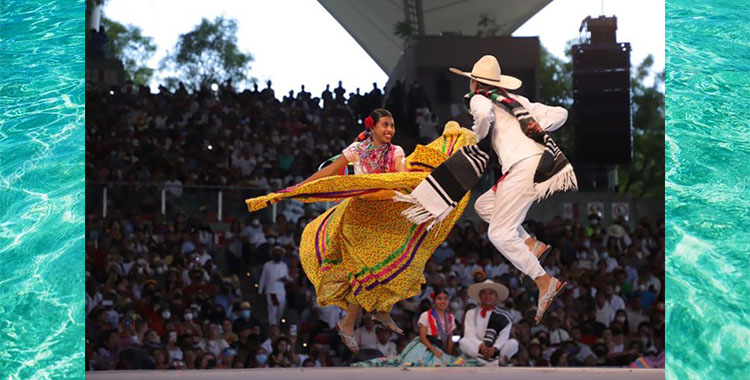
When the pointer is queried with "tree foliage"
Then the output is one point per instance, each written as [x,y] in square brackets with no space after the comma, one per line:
[130,46]
[645,176]
[487,25]
[208,54]
[556,89]
[403,30]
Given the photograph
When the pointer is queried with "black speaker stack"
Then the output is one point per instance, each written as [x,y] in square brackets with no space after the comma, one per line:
[601,95]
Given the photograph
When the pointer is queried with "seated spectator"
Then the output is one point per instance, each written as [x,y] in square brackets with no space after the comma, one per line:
[206,361]
[384,344]
[559,358]
[107,352]
[557,334]
[366,335]
[283,354]
[215,344]
[260,359]
[487,328]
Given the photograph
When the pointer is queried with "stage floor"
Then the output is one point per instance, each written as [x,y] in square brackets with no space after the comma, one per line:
[388,373]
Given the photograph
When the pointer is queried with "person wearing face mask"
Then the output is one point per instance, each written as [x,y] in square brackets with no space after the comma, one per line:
[260,360]
[190,326]
[255,233]
[244,319]
[621,317]
[272,283]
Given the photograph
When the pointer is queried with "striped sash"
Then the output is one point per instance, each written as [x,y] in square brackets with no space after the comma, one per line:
[436,196]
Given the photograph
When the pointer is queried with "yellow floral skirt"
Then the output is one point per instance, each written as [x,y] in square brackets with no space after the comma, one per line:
[362,251]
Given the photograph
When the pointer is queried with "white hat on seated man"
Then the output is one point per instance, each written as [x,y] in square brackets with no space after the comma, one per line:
[501,290]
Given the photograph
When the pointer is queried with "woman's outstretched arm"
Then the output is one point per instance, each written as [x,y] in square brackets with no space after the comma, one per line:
[329,170]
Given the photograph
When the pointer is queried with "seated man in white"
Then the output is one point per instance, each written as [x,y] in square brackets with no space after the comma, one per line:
[487,327]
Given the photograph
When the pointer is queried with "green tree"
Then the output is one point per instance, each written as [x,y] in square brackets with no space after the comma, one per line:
[556,89]
[132,48]
[644,176]
[208,54]
[126,43]
[487,25]
[403,30]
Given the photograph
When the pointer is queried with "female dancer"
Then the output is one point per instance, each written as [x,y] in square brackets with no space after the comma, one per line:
[436,326]
[372,152]
[434,346]
[361,253]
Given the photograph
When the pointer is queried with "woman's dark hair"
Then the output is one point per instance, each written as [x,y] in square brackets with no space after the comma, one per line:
[376,114]
[279,340]
[555,359]
[440,291]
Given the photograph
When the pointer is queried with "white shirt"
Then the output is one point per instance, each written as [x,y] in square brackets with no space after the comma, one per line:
[174,187]
[216,346]
[204,257]
[387,349]
[475,327]
[92,302]
[654,281]
[256,236]
[272,276]
[187,247]
[330,315]
[366,339]
[234,246]
[616,303]
[493,271]
[605,315]
[558,336]
[508,141]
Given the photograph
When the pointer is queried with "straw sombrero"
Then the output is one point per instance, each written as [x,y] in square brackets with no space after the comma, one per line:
[487,71]
[500,289]
[616,231]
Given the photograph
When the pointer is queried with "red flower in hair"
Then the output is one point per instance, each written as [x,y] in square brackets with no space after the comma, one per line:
[369,122]
[432,295]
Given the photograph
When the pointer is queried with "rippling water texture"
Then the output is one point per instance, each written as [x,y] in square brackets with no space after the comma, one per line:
[41,189]
[707,189]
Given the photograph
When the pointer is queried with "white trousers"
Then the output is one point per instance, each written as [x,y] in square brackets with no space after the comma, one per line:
[505,210]
[470,347]
[275,311]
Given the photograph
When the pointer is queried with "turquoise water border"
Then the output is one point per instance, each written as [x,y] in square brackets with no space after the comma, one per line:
[707,151]
[41,189]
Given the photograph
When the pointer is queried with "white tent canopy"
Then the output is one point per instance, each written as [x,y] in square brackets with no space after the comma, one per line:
[371,22]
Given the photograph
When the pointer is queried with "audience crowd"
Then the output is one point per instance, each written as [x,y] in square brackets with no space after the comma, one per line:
[186,294]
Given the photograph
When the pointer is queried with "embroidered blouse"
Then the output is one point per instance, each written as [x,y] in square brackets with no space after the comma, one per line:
[368,159]
[440,328]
